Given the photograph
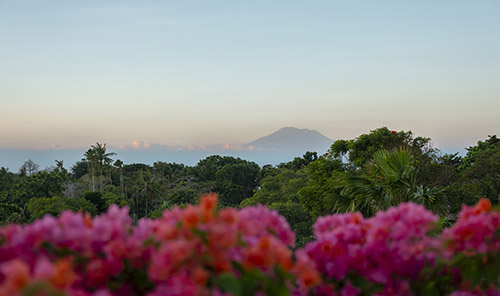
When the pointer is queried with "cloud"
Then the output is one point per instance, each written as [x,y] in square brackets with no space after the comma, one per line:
[53,147]
[141,145]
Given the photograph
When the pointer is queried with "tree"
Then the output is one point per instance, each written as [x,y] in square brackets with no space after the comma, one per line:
[96,198]
[80,168]
[81,205]
[147,189]
[98,160]
[300,221]
[60,166]
[91,158]
[476,153]
[119,164]
[6,179]
[320,191]
[236,181]
[30,167]
[300,162]
[111,198]
[183,196]
[41,184]
[103,160]
[281,187]
[478,174]
[11,213]
[39,207]
[361,149]
[233,178]
[389,179]
[170,171]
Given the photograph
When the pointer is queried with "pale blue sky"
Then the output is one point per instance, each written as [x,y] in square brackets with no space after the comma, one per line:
[215,72]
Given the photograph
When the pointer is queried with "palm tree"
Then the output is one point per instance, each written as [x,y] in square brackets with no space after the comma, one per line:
[91,157]
[119,164]
[391,178]
[103,159]
[147,188]
[60,167]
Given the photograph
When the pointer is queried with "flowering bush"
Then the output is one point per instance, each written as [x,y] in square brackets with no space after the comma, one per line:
[398,252]
[194,251]
[200,250]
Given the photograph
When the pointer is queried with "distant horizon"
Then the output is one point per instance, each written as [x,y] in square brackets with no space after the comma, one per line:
[149,153]
[238,145]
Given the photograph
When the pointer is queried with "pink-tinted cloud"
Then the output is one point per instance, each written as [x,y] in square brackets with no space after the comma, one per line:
[53,147]
[223,147]
[140,145]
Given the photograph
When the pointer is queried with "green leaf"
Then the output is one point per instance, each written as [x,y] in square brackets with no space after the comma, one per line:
[201,234]
[251,280]
[151,242]
[41,288]
[228,282]
[277,290]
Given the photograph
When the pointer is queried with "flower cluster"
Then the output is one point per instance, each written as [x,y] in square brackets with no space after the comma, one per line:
[396,253]
[198,250]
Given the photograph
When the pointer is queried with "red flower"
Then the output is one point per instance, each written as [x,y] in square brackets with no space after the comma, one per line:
[393,132]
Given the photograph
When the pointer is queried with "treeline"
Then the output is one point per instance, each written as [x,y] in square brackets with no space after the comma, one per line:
[369,173]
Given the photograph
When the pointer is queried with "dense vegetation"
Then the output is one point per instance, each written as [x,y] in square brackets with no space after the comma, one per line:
[367,174]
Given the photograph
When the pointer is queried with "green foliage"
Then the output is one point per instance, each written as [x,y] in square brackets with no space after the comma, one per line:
[233,178]
[80,169]
[299,218]
[319,194]
[477,175]
[41,288]
[236,181]
[39,207]
[169,171]
[251,282]
[6,179]
[480,151]
[130,169]
[390,179]
[83,205]
[11,213]
[361,149]
[111,198]
[96,198]
[280,187]
[146,190]
[300,162]
[183,196]
[479,271]
[208,167]
[137,278]
[41,184]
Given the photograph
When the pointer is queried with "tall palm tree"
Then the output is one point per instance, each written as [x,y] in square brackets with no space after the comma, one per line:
[60,165]
[147,188]
[103,159]
[91,157]
[119,164]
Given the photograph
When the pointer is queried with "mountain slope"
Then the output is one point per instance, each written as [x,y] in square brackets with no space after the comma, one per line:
[290,138]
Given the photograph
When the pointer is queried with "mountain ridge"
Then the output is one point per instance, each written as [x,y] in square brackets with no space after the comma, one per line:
[292,138]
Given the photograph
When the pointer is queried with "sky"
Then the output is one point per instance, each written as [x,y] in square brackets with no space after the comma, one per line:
[73,73]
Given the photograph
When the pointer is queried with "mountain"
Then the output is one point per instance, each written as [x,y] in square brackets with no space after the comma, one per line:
[291,138]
